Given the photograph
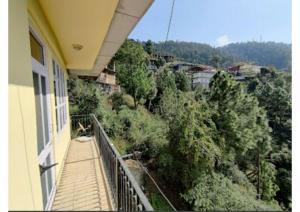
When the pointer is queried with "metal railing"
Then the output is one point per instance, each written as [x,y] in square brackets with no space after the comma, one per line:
[126,193]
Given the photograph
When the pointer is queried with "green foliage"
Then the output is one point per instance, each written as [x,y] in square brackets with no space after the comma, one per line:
[119,99]
[191,52]
[165,80]
[160,62]
[158,202]
[273,91]
[268,178]
[145,132]
[241,122]
[132,73]
[221,148]
[183,82]
[216,192]
[275,87]
[261,53]
[84,97]
[215,60]
[191,137]
[149,47]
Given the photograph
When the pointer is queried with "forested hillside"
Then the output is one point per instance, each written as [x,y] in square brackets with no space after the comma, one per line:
[261,53]
[223,149]
[269,53]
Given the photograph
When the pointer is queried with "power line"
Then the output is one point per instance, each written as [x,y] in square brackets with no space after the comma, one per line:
[158,188]
[170,20]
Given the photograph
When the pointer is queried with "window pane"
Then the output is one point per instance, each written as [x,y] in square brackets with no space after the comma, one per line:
[63,86]
[45,109]
[36,50]
[59,86]
[38,112]
[60,97]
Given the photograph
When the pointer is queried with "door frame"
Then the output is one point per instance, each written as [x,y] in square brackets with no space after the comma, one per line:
[42,70]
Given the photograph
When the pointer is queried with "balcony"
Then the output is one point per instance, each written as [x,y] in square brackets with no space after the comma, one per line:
[94,176]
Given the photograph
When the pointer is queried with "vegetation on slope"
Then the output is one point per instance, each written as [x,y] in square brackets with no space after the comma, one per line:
[261,53]
[227,148]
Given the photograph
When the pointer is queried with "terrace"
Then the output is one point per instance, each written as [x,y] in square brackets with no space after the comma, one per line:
[94,176]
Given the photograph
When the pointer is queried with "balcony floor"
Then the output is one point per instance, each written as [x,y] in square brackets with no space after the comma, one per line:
[82,183]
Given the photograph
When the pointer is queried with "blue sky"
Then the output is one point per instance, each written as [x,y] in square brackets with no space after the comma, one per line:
[217,22]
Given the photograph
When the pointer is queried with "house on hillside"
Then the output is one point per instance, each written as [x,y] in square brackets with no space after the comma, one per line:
[182,66]
[201,75]
[169,58]
[158,60]
[242,71]
[49,168]
[107,81]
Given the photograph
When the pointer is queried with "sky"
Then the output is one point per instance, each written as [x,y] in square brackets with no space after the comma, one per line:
[217,22]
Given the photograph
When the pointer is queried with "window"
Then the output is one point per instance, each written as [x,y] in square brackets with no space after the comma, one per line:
[36,49]
[60,97]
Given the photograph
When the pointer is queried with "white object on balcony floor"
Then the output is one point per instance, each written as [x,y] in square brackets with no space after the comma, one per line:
[83,139]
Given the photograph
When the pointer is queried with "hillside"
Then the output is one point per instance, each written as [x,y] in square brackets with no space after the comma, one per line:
[261,53]
[268,53]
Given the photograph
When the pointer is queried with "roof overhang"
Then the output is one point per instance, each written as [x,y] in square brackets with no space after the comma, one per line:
[89,33]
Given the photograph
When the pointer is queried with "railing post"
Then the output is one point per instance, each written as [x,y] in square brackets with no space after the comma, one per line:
[125,190]
[116,182]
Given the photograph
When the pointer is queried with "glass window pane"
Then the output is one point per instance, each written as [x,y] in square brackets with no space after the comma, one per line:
[36,50]
[59,86]
[63,86]
[38,112]
[45,109]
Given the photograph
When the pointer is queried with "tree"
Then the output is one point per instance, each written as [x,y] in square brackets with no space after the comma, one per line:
[191,136]
[84,97]
[244,132]
[165,80]
[183,82]
[132,73]
[149,47]
[215,60]
[239,119]
[215,192]
[273,91]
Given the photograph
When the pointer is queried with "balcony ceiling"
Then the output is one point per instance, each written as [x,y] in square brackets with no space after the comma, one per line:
[99,26]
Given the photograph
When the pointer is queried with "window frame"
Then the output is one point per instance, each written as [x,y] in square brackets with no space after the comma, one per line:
[60,96]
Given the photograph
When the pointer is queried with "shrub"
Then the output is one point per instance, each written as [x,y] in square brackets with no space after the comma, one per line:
[216,192]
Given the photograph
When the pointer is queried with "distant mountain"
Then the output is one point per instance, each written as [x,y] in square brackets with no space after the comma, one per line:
[266,53]
[260,53]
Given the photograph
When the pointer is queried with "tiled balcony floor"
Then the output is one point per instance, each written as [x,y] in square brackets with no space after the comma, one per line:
[82,184]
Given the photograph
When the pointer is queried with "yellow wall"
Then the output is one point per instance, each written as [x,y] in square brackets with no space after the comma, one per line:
[24,179]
